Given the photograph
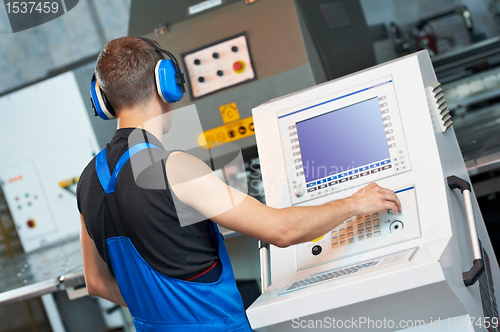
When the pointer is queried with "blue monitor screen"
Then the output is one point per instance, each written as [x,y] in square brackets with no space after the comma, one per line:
[342,140]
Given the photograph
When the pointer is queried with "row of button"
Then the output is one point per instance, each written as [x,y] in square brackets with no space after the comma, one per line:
[367,227]
[215,55]
[350,175]
[296,148]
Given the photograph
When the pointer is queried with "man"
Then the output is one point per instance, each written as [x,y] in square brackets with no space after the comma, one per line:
[176,278]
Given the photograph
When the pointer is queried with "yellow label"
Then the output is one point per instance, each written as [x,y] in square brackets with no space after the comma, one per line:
[229,112]
[226,133]
[318,239]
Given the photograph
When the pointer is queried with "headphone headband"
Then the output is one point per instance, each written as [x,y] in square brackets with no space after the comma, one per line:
[180,76]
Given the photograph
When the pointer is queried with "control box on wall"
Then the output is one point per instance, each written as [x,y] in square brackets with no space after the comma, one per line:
[218,66]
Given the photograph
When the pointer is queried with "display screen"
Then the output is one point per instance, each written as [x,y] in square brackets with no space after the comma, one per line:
[347,140]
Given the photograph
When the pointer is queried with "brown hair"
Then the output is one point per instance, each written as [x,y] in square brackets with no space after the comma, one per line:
[125,71]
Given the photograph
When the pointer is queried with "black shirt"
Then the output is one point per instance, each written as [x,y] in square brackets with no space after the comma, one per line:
[147,214]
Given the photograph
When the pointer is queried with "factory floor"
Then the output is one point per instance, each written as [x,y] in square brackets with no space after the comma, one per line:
[15,318]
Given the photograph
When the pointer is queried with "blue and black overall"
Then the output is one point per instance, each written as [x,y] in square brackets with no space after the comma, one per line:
[156,301]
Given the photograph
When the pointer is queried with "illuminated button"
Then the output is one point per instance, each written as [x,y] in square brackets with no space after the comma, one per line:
[361,238]
[335,245]
[31,223]
[350,235]
[334,233]
[369,236]
[201,79]
[350,241]
[375,215]
[368,229]
[376,228]
[342,231]
[335,239]
[349,229]
[342,237]
[361,232]
[215,55]
[234,49]
[348,223]
[368,218]
[368,224]
[342,243]
[197,62]
[359,220]
[375,222]
[220,73]
[377,233]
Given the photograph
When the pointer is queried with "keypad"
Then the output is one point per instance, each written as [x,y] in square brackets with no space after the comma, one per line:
[356,229]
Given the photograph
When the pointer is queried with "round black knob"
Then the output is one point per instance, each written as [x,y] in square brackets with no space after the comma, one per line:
[220,73]
[234,49]
[316,250]
[215,55]
[201,79]
[197,62]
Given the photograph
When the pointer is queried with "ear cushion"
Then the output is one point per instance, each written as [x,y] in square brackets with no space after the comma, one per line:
[166,81]
[103,109]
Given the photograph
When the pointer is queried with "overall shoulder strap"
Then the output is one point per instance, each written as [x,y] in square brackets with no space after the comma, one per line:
[108,183]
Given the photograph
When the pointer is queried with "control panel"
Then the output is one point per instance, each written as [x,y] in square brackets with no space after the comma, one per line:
[27,202]
[363,233]
[344,140]
[218,66]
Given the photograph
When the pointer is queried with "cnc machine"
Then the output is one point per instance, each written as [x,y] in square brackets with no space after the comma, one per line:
[432,263]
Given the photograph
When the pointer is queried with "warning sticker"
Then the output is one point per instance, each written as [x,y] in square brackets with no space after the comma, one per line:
[227,133]
[229,112]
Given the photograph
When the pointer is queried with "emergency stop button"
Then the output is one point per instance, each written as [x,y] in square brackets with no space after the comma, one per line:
[239,66]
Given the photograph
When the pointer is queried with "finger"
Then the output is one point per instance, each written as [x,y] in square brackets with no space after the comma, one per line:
[391,206]
[391,196]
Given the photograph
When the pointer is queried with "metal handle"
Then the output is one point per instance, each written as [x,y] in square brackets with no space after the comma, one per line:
[470,277]
[264,265]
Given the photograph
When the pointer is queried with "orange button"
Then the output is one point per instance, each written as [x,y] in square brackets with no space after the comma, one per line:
[31,223]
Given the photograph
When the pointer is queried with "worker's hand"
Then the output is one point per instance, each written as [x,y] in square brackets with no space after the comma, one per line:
[373,198]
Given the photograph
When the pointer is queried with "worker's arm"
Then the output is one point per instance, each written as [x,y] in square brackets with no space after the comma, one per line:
[97,277]
[194,183]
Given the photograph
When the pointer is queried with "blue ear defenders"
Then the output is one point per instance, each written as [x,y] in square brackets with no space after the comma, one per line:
[169,81]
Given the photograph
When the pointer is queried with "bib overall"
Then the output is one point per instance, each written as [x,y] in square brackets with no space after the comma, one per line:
[157,302]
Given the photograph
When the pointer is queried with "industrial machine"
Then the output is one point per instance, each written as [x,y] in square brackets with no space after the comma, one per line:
[262,50]
[432,263]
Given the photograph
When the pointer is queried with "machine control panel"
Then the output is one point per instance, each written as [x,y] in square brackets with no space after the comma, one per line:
[363,233]
[27,201]
[218,66]
[345,140]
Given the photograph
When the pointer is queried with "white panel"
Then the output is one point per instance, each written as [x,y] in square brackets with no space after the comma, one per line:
[48,137]
[430,210]
[217,66]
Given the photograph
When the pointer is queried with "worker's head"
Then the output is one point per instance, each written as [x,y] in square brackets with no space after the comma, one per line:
[125,71]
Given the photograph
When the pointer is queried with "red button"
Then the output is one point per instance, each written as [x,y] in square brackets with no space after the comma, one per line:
[31,223]
[237,66]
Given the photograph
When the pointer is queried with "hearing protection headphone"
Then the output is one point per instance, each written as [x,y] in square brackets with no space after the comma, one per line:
[169,81]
